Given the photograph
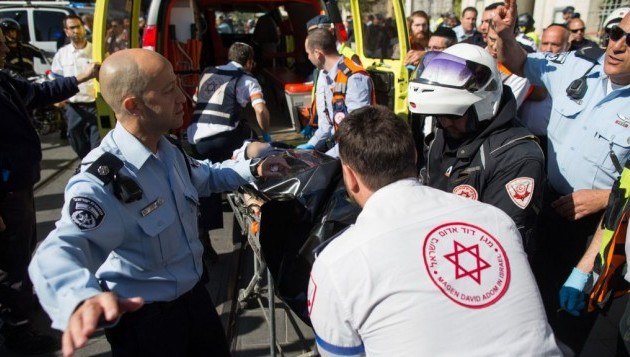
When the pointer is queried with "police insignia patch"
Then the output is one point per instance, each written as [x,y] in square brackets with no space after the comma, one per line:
[466,191]
[520,191]
[557,57]
[86,213]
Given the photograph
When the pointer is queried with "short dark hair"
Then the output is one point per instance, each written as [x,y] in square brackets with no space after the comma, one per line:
[493,6]
[377,145]
[240,53]
[70,17]
[470,8]
[447,33]
[322,39]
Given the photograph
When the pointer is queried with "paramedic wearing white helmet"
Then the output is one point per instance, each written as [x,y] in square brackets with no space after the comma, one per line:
[479,150]
[421,272]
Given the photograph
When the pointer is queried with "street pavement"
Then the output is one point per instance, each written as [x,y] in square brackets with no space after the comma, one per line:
[244,323]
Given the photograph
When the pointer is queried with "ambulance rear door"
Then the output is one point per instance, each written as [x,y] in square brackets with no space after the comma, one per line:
[115,28]
[382,49]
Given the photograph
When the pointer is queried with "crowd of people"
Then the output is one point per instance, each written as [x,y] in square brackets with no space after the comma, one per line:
[531,134]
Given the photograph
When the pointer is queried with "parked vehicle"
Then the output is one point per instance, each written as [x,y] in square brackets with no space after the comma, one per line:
[192,35]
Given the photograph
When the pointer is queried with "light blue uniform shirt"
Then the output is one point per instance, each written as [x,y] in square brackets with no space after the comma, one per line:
[131,249]
[581,133]
[358,95]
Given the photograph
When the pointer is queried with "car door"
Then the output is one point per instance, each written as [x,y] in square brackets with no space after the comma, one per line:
[382,50]
[115,28]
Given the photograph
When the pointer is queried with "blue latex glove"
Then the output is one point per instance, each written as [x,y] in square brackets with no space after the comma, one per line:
[307,132]
[266,137]
[305,147]
[572,298]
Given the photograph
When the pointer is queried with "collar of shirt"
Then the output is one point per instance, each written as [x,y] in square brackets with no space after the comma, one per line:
[333,71]
[132,149]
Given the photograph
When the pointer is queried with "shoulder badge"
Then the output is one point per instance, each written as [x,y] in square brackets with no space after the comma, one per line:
[86,213]
[558,58]
[521,190]
[466,191]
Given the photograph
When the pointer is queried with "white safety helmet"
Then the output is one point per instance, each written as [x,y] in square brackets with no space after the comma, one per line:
[450,82]
[615,17]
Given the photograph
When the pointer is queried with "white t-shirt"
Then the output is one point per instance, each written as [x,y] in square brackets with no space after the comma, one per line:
[424,273]
[70,61]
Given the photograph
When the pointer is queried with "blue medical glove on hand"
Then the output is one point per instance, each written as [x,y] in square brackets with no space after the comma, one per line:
[307,132]
[266,137]
[572,298]
[305,147]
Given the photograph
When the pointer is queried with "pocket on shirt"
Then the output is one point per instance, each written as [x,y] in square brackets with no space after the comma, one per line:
[563,116]
[154,226]
[620,140]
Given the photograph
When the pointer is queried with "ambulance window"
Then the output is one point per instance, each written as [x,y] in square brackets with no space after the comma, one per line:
[118,25]
[236,22]
[380,37]
[49,25]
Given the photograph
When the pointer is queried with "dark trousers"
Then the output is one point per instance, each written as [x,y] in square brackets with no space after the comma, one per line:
[187,326]
[17,243]
[83,132]
[560,245]
[217,148]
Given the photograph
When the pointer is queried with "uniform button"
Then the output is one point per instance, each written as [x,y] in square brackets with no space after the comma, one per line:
[572,149]
[159,223]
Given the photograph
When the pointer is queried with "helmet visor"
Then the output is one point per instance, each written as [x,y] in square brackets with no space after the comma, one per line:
[446,70]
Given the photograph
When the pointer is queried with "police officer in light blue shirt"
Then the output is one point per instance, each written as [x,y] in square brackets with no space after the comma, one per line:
[589,139]
[127,239]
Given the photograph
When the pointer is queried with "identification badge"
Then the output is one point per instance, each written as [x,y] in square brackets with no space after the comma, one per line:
[152,207]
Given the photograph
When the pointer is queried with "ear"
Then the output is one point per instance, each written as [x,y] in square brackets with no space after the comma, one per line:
[352,181]
[131,105]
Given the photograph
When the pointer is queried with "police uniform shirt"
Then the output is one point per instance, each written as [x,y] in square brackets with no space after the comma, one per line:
[358,95]
[581,132]
[69,62]
[247,90]
[427,273]
[534,114]
[146,248]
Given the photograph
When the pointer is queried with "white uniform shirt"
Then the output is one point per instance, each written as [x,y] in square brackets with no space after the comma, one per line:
[70,61]
[424,273]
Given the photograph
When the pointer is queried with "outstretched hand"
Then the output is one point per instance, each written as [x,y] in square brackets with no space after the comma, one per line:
[85,319]
[504,18]
[90,71]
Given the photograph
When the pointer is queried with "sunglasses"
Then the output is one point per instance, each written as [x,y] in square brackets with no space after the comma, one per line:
[616,33]
[577,30]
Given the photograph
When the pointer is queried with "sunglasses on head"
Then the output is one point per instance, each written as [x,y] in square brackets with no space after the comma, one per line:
[577,30]
[616,33]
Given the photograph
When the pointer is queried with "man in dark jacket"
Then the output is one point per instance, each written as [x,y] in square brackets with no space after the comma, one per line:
[479,152]
[20,157]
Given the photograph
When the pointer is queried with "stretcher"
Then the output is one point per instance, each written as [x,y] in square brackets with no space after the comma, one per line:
[277,217]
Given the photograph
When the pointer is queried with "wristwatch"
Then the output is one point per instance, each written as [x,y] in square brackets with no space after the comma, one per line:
[253,166]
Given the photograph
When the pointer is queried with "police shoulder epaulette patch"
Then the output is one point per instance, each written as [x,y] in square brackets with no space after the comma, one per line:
[85,213]
[558,58]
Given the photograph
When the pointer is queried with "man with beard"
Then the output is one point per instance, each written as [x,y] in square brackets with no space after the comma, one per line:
[83,133]
[419,35]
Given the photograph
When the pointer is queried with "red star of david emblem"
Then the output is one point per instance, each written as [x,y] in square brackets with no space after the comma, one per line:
[461,271]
